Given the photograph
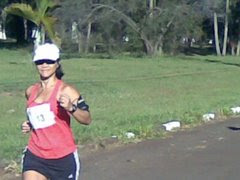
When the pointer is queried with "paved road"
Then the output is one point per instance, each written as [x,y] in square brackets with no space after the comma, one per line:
[209,152]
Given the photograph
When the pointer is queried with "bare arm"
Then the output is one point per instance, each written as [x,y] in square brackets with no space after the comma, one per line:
[69,96]
[28,91]
[26,127]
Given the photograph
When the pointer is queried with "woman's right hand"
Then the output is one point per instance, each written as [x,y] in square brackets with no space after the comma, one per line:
[26,127]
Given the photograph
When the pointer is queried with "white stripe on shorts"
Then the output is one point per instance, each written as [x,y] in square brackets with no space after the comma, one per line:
[23,156]
[78,166]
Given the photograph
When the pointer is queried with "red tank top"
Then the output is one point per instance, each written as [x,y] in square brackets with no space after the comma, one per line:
[51,137]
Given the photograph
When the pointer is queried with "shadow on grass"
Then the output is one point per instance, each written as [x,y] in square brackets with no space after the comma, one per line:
[206,51]
[220,62]
[202,51]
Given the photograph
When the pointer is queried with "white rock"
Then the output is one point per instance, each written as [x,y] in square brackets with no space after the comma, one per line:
[235,110]
[172,125]
[130,135]
[208,117]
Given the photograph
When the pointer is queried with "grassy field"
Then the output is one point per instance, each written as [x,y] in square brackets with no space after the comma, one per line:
[124,94]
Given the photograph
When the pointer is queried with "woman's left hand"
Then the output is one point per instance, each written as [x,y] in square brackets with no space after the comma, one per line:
[65,102]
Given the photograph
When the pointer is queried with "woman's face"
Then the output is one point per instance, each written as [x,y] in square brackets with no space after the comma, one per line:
[46,68]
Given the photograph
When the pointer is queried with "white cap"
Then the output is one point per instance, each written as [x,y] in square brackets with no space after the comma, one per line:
[46,51]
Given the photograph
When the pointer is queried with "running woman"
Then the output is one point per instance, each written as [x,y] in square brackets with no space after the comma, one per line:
[51,152]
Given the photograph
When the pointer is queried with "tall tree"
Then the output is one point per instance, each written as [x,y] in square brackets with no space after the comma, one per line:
[226,28]
[73,18]
[40,15]
[214,9]
[234,35]
[151,23]
[217,46]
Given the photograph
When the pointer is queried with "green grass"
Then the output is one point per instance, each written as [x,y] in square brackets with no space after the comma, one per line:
[124,94]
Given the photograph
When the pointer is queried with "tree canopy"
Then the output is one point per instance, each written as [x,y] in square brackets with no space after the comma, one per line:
[154,27]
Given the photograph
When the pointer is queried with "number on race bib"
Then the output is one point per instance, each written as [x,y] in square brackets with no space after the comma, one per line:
[41,116]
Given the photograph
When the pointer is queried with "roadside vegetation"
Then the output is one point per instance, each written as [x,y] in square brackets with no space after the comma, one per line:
[134,61]
[125,94]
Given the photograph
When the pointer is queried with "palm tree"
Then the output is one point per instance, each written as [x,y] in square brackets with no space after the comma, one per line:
[39,16]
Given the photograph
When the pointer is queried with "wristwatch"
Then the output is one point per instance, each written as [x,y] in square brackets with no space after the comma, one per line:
[74,108]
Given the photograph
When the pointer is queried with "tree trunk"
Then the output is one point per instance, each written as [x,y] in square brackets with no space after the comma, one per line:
[25,29]
[238,48]
[158,49]
[151,6]
[153,47]
[80,42]
[149,47]
[42,34]
[225,29]
[88,36]
[216,35]
[233,51]
[25,25]
[37,37]
[3,16]
[75,32]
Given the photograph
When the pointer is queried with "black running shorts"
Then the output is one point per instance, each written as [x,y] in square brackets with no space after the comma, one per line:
[64,168]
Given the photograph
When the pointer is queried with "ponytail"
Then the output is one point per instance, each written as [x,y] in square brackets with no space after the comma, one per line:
[59,71]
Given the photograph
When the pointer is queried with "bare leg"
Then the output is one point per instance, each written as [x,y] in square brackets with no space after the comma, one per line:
[33,175]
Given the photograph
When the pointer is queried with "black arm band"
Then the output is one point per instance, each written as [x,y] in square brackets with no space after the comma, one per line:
[81,104]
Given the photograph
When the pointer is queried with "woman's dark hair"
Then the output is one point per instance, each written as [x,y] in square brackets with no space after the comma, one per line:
[59,71]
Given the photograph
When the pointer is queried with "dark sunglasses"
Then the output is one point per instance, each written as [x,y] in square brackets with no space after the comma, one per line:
[47,61]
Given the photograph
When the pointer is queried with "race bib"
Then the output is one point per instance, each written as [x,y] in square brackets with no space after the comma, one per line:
[41,116]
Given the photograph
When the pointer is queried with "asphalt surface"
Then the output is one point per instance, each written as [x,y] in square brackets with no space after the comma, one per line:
[209,152]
